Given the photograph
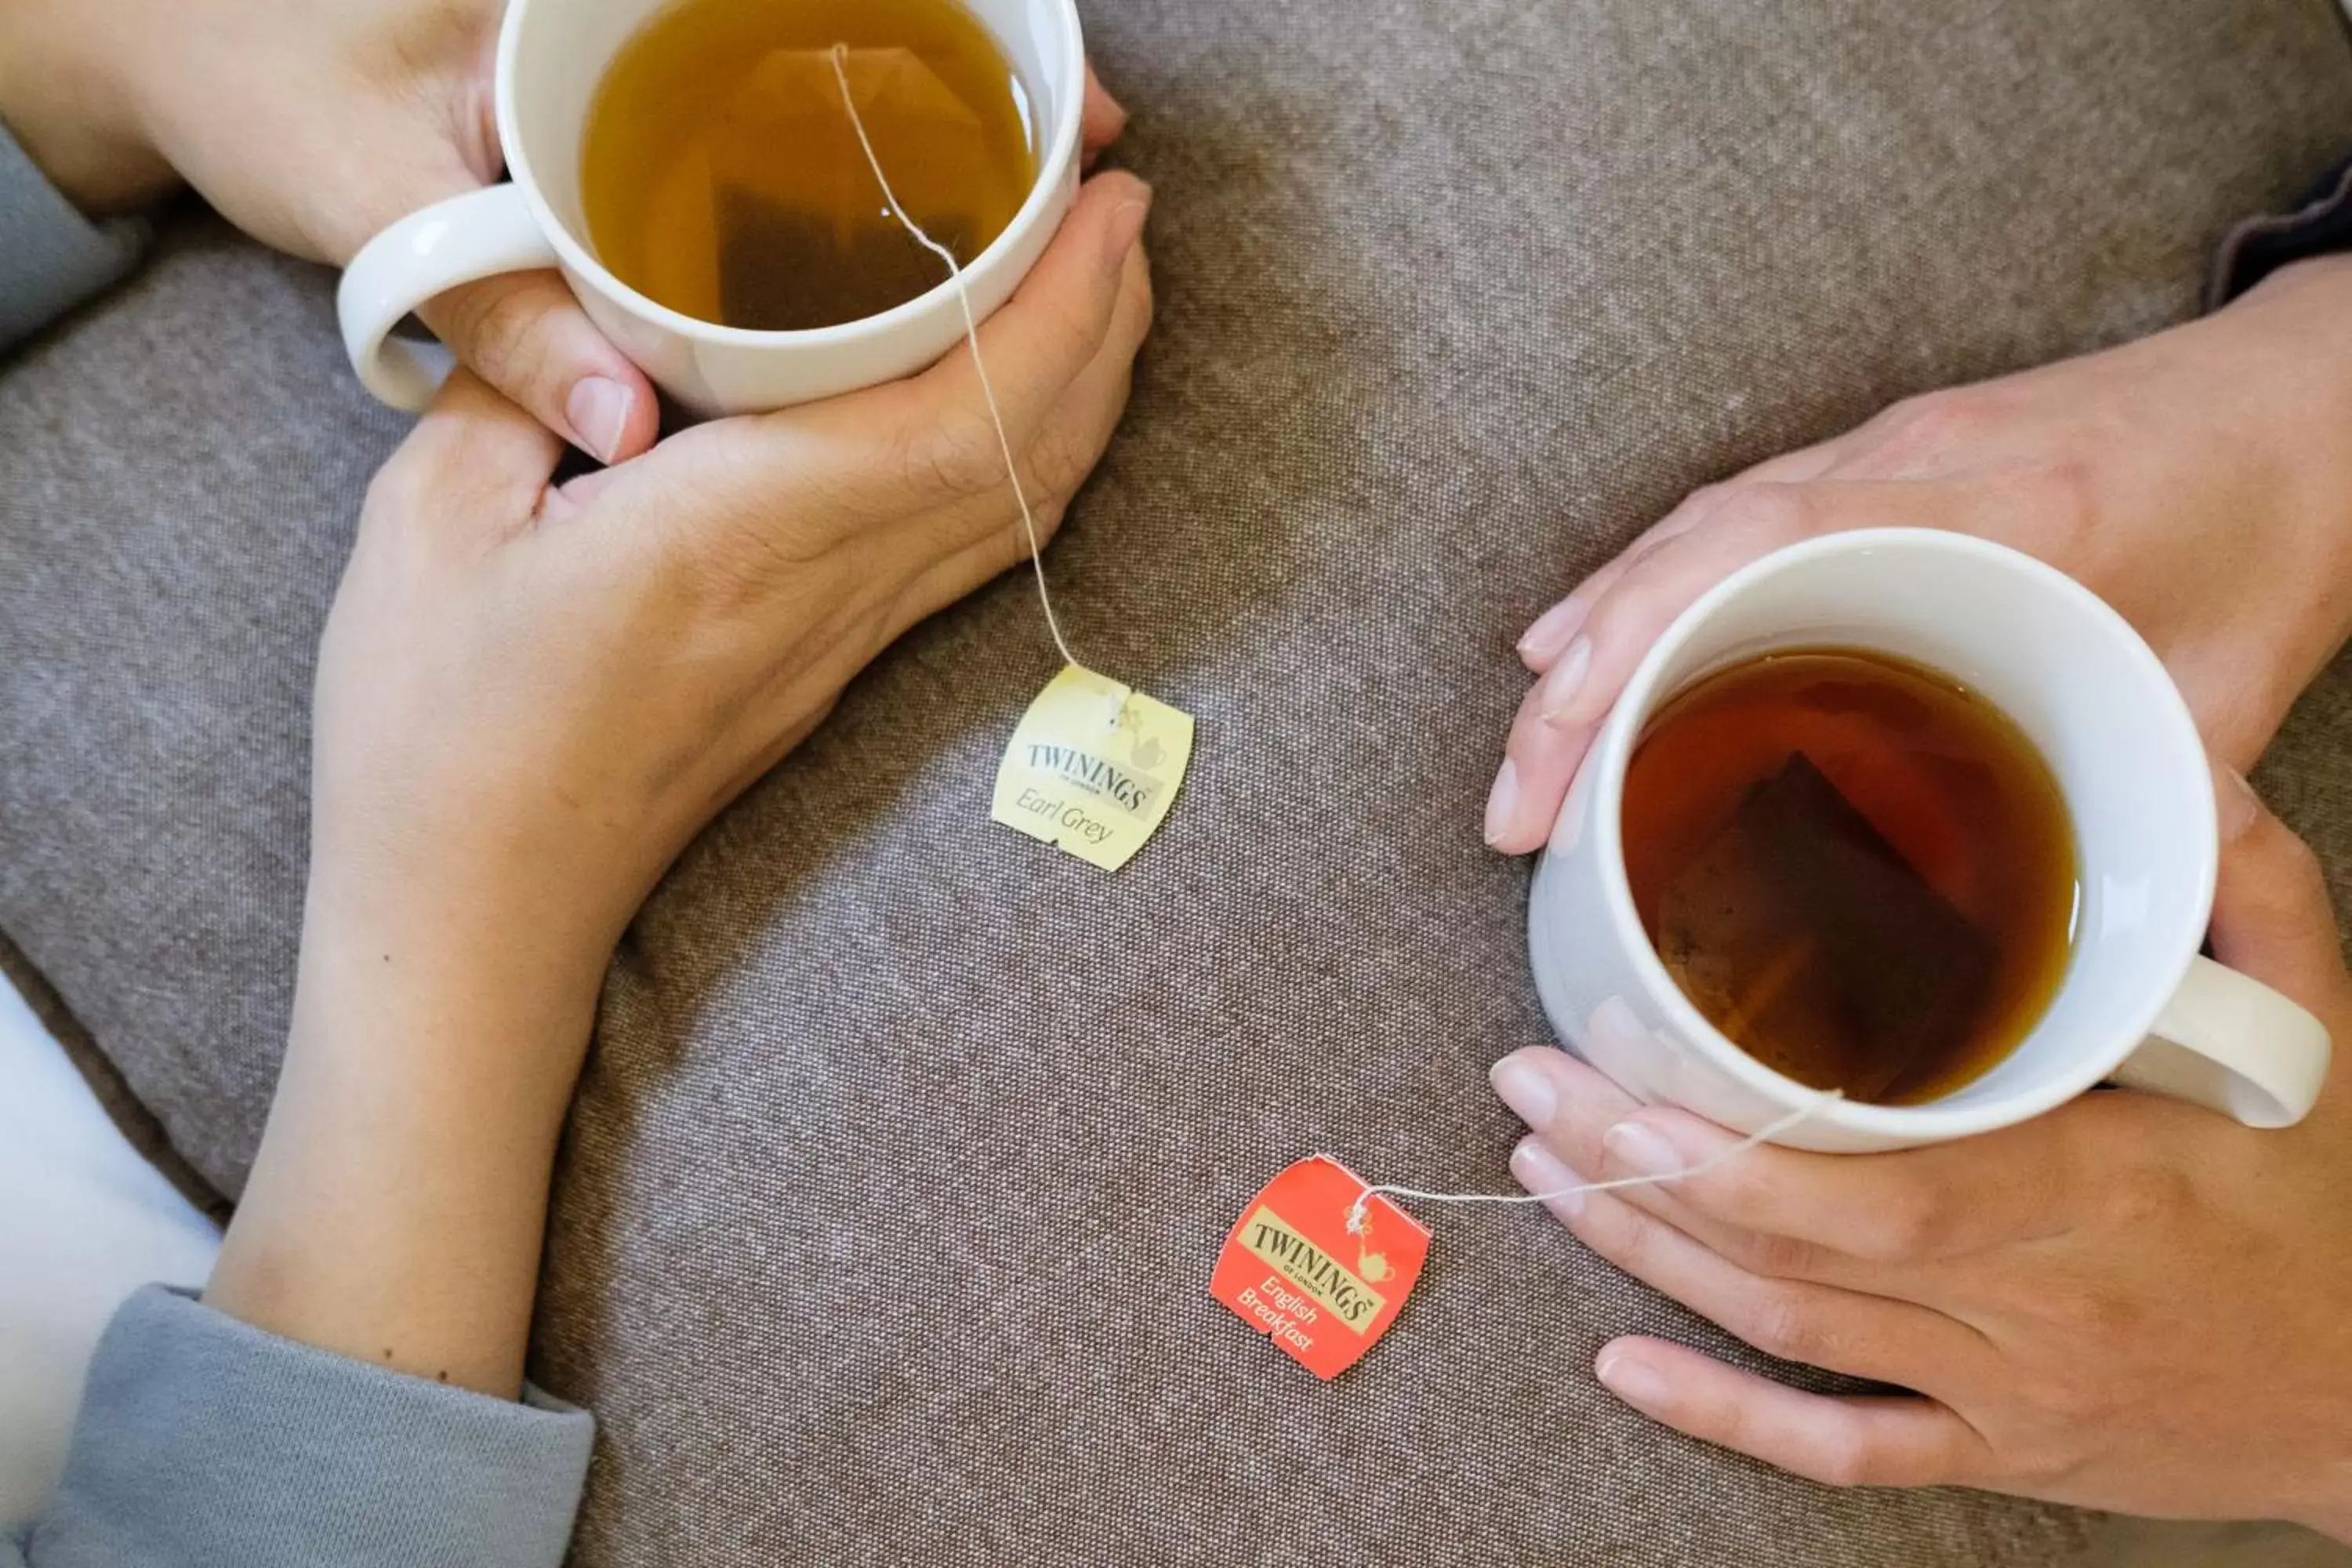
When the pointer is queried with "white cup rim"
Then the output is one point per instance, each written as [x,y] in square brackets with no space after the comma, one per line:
[1061,150]
[1931,1121]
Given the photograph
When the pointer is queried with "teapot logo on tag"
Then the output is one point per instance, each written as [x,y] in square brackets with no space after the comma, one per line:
[1284,1271]
[1097,774]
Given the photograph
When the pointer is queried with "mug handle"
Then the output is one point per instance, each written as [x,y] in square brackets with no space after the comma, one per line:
[2232,1045]
[462,240]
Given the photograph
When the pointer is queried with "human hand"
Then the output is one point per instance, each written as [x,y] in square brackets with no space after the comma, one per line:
[2196,480]
[2129,1303]
[584,675]
[312,127]
[528,698]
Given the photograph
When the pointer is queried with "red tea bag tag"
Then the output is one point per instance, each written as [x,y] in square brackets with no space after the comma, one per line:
[1294,1271]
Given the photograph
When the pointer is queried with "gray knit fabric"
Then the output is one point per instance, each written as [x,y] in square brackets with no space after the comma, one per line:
[885,1222]
[206,1443]
[51,257]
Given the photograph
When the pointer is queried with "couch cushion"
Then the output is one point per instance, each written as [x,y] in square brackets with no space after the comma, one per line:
[885,1222]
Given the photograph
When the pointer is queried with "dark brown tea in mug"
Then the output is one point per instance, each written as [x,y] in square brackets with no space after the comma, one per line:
[1861,872]
[721,175]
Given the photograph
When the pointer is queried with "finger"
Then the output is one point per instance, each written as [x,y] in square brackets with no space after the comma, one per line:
[1796,1320]
[1904,1209]
[1865,1440]
[899,451]
[1544,640]
[2271,917]
[1539,760]
[1568,1106]
[1631,608]
[1541,646]
[1101,117]
[474,463]
[919,454]
[1540,757]
[943,562]
[1639,604]
[523,334]
[1052,328]
[526,335]
[1571,1107]
[1909,1209]
[1554,1093]
[1747,524]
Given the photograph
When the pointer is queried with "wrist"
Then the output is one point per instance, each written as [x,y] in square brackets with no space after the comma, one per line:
[395,1211]
[422,978]
[2298,321]
[72,116]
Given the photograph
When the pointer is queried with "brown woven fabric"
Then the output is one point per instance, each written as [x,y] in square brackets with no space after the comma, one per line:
[884,1221]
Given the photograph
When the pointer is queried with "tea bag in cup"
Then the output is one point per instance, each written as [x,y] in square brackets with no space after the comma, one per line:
[802,240]
[1799,921]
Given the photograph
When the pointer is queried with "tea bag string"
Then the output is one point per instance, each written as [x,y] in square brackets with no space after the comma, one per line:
[1764,1134]
[838,55]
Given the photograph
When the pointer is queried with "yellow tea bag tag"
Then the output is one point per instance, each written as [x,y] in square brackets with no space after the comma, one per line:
[1093,767]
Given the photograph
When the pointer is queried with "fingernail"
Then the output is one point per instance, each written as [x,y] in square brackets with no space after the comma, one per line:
[1632,1379]
[1552,630]
[1526,1088]
[598,409]
[2236,806]
[1503,801]
[1539,1170]
[1566,678]
[1643,1150]
[1125,228]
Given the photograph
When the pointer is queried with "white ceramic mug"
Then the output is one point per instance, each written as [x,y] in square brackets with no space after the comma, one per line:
[2137,1004]
[552,55]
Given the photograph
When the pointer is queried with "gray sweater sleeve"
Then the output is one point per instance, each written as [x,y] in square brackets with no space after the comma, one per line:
[51,257]
[206,1443]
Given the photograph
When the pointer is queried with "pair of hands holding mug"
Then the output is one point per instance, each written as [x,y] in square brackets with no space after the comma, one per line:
[2129,1303]
[312,128]
[530,697]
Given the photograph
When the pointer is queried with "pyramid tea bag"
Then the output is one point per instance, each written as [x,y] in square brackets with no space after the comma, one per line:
[723,177]
[802,239]
[1802,934]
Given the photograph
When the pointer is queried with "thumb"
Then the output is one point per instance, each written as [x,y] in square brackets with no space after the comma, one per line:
[475,467]
[523,334]
[528,337]
[2272,918]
